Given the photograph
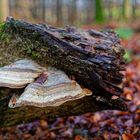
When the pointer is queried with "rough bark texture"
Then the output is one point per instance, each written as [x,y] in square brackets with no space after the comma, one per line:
[93,58]
[15,116]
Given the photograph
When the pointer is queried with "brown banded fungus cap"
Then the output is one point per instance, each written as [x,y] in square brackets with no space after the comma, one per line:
[19,73]
[51,88]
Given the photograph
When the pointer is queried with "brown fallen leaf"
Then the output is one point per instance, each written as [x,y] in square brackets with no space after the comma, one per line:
[27,136]
[79,138]
[128,137]
[138,111]
[43,124]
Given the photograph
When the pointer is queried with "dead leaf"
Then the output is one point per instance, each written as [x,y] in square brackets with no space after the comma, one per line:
[128,137]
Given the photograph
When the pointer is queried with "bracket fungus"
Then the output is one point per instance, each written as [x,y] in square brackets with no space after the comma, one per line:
[52,87]
[19,73]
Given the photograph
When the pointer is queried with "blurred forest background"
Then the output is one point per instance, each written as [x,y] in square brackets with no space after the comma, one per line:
[72,12]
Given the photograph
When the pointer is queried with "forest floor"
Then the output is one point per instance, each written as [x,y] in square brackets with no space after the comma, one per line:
[103,125]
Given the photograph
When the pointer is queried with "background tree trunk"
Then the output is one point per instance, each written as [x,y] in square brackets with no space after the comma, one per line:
[127,9]
[59,14]
[4,9]
[99,15]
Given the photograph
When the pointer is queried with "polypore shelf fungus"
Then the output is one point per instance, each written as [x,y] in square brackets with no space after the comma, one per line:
[79,71]
[19,74]
[52,88]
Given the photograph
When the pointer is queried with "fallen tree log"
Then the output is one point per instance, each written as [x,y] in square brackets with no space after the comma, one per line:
[95,62]
[94,58]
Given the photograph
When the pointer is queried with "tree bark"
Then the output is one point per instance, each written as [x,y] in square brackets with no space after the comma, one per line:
[94,58]
[9,117]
